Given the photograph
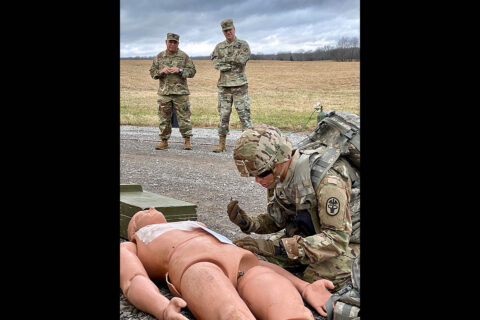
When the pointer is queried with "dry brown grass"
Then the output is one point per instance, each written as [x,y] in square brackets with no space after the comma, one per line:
[282,93]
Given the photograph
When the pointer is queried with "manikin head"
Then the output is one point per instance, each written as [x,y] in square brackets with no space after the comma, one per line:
[144,218]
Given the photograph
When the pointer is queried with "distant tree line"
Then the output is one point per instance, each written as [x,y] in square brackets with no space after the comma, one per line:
[347,49]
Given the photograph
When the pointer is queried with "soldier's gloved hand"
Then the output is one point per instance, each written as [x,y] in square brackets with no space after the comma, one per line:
[263,247]
[238,216]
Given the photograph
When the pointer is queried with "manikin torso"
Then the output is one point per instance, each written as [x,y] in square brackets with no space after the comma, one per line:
[174,250]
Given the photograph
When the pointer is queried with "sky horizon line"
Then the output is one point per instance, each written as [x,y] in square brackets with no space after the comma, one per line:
[269,27]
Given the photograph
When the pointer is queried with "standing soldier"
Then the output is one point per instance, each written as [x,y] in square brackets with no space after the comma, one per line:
[230,57]
[308,206]
[172,67]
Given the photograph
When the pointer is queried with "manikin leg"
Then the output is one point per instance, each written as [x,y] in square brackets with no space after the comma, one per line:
[271,296]
[141,291]
[210,294]
[316,293]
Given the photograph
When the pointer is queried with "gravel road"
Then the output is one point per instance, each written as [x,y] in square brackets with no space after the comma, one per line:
[198,176]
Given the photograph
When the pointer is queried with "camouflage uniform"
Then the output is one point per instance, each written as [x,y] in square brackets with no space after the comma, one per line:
[173,91]
[231,58]
[315,225]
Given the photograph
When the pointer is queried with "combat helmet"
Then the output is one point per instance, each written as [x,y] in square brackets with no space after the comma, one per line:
[259,148]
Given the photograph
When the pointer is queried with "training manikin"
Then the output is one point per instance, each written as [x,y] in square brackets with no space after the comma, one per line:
[215,279]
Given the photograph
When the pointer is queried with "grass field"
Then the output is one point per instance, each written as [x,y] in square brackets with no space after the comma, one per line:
[282,93]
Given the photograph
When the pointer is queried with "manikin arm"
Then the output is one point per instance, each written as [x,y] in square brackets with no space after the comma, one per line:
[316,293]
[141,291]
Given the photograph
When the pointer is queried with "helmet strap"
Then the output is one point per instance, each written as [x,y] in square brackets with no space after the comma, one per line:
[276,177]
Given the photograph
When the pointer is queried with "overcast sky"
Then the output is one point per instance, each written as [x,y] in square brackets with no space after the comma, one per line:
[269,26]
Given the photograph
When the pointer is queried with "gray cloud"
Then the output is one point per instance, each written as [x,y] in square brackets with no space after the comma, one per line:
[269,26]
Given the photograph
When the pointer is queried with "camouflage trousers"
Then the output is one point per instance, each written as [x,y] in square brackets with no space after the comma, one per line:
[337,269]
[181,104]
[233,95]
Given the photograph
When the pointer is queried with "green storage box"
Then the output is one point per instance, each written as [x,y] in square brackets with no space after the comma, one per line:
[134,199]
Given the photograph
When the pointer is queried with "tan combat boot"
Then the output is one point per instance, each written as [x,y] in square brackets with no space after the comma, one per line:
[221,145]
[163,145]
[187,145]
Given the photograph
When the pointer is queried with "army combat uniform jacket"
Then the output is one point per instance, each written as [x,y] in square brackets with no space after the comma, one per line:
[315,216]
[175,83]
[231,58]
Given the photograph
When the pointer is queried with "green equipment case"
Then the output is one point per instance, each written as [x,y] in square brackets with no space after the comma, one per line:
[134,199]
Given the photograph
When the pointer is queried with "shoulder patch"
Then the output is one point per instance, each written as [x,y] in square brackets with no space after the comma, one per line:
[332,206]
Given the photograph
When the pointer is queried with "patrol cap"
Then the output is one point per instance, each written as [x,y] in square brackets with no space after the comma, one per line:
[173,36]
[227,24]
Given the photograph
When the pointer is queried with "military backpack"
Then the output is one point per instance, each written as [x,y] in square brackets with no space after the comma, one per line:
[337,135]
